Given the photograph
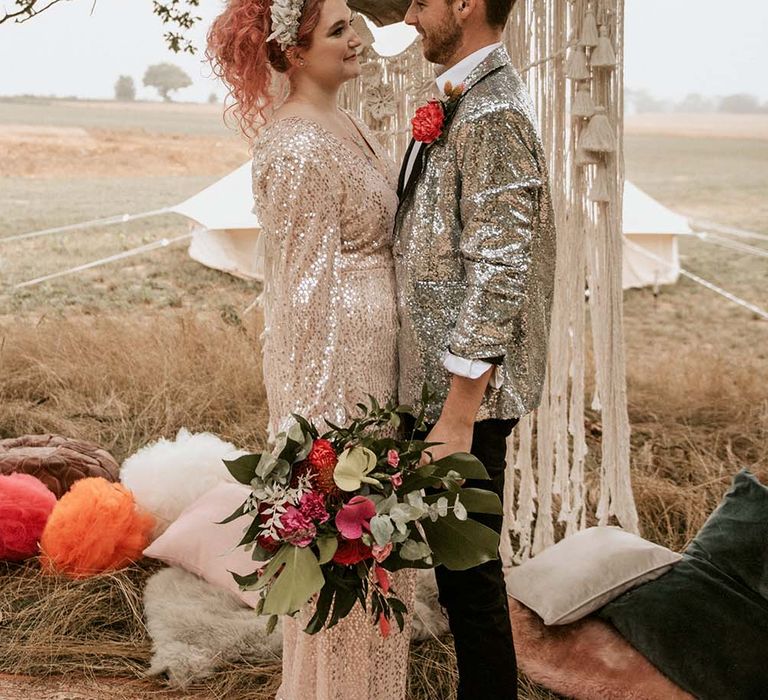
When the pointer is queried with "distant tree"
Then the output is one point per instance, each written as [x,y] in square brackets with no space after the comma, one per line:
[125,89]
[740,104]
[165,78]
[695,104]
[643,102]
[213,98]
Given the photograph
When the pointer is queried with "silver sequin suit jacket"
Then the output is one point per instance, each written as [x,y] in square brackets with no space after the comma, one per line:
[475,248]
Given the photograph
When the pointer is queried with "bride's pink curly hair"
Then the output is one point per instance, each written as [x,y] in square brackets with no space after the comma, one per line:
[240,55]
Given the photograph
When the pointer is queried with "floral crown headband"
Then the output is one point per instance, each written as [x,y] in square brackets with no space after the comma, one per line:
[286,15]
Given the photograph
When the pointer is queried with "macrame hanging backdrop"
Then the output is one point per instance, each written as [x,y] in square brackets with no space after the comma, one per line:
[570,54]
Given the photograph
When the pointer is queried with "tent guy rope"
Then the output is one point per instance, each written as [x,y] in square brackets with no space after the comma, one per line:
[107,221]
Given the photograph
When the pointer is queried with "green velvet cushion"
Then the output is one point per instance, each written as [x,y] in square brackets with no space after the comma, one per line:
[704,624]
[735,537]
[701,628]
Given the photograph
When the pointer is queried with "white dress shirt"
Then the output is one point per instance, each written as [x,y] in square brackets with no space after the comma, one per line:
[456,75]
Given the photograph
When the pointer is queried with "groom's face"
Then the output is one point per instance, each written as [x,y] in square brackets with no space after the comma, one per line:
[441,32]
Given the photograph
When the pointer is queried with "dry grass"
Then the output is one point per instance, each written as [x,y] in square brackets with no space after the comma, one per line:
[123,382]
[696,420]
[94,627]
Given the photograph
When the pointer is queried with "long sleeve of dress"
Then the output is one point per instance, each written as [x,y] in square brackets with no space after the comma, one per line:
[299,203]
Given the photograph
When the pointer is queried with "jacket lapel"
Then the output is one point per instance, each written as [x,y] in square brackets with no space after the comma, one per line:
[401,180]
[494,61]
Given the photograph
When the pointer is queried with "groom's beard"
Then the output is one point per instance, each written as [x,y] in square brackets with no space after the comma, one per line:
[441,43]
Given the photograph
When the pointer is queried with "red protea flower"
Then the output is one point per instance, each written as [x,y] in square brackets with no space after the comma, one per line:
[322,459]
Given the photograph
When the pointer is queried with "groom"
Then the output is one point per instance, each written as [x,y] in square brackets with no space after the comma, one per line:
[474,255]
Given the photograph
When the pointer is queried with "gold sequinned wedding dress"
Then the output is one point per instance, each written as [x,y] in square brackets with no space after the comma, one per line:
[330,338]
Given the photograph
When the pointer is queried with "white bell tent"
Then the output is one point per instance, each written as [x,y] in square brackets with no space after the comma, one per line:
[650,255]
[227,239]
[228,236]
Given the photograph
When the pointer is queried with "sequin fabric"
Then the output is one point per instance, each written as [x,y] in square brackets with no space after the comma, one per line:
[330,338]
[475,248]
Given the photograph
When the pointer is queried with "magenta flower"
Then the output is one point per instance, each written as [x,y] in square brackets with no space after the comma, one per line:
[297,529]
[354,517]
[397,480]
[393,459]
[312,505]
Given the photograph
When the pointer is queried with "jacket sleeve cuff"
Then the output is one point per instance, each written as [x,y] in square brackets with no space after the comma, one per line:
[472,369]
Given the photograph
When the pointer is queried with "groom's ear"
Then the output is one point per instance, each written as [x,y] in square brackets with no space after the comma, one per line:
[466,9]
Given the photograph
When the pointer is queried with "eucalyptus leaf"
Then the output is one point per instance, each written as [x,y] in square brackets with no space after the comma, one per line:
[474,500]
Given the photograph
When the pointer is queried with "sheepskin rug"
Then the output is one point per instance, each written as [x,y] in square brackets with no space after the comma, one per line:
[166,476]
[586,660]
[197,627]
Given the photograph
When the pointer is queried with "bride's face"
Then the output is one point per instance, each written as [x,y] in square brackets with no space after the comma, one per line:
[331,58]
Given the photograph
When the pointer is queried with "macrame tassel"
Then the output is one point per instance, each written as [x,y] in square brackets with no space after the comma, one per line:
[583,158]
[576,67]
[603,56]
[599,191]
[599,135]
[589,36]
[583,105]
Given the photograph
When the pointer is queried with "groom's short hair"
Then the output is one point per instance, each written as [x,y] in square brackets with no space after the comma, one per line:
[498,11]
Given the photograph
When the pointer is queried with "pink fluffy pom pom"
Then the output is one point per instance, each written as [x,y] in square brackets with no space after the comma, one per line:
[25,504]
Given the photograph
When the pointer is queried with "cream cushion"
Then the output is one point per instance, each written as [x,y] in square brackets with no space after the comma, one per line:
[585,571]
[195,542]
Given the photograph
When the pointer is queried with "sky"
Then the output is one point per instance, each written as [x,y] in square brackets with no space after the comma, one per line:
[673,47]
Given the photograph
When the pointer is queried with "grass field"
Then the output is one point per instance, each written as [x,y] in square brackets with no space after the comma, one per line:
[131,351]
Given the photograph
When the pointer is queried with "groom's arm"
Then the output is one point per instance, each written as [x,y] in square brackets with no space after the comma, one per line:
[501,179]
[456,424]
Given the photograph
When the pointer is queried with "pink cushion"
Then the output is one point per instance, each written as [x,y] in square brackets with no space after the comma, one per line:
[196,543]
[586,660]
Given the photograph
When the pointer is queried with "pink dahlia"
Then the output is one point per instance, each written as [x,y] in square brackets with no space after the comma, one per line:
[297,528]
[313,506]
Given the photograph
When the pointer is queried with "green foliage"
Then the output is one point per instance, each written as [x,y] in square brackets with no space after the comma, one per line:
[165,78]
[125,89]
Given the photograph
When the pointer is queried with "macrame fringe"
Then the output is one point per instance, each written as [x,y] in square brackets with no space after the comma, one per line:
[589,35]
[583,105]
[603,56]
[599,136]
[584,157]
[576,67]
[599,190]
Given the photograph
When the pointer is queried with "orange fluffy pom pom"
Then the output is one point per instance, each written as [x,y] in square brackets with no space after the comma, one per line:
[95,527]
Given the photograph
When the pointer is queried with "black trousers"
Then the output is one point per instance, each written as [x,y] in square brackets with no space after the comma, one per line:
[476,599]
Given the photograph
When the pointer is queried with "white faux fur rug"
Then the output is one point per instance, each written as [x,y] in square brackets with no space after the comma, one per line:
[196,627]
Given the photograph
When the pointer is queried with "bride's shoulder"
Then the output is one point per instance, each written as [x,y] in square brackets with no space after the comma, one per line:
[289,139]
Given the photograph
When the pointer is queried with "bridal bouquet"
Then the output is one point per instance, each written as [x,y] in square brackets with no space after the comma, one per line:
[334,514]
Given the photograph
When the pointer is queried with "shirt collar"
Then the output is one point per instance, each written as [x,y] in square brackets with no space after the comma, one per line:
[460,72]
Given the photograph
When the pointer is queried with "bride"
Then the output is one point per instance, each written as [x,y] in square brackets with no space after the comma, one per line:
[325,194]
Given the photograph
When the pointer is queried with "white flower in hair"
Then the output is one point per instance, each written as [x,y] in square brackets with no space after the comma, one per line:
[286,15]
